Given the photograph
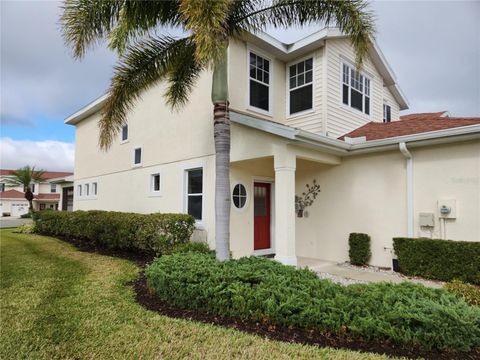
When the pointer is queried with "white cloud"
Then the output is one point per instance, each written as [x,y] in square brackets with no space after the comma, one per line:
[47,155]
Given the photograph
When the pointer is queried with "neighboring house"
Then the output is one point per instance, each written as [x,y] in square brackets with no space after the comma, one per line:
[289,105]
[47,195]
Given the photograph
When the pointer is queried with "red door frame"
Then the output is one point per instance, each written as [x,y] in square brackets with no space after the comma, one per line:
[262,238]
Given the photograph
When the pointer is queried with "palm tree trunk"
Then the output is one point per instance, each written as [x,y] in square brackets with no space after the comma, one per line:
[221,130]
[29,197]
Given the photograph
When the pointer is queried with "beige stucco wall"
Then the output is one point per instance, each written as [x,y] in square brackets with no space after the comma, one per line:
[449,172]
[171,142]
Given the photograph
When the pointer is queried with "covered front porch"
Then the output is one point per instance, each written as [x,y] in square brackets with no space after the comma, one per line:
[266,175]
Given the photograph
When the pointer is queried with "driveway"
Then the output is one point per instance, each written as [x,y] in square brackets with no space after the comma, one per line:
[9,222]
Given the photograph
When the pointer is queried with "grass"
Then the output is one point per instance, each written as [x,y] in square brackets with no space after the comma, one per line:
[57,302]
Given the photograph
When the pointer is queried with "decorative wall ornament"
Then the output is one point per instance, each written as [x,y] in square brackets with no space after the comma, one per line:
[307,198]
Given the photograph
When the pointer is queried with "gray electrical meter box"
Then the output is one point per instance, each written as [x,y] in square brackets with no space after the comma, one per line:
[427,220]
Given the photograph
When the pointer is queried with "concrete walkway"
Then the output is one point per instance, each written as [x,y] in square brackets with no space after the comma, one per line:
[10,222]
[347,274]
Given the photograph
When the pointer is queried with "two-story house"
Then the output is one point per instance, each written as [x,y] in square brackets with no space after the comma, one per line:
[49,194]
[298,112]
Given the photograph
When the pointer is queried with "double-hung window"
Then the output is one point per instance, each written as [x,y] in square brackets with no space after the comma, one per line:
[259,82]
[301,86]
[195,192]
[387,113]
[355,89]
[53,188]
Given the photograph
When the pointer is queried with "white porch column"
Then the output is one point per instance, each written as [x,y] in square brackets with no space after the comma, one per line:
[285,164]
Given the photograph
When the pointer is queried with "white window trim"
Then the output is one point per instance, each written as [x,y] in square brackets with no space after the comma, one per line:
[198,222]
[152,192]
[51,187]
[247,197]
[256,51]
[121,135]
[365,74]
[133,157]
[271,250]
[288,90]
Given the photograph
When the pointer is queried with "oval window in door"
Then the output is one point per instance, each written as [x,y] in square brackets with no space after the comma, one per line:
[239,196]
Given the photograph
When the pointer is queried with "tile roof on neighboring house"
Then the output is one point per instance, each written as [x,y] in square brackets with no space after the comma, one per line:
[414,125]
[12,194]
[47,196]
[433,115]
[46,175]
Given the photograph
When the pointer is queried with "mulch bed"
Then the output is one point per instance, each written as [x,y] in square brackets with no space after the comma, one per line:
[144,296]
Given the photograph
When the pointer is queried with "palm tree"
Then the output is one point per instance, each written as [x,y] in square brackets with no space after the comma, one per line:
[26,177]
[131,28]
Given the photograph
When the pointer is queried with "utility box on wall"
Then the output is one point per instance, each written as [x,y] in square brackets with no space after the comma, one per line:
[426,220]
[447,209]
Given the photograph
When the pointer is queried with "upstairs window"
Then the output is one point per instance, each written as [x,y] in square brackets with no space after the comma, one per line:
[195,193]
[124,133]
[2,187]
[387,113]
[53,188]
[259,82]
[355,89]
[137,156]
[301,86]
[79,190]
[87,189]
[32,188]
[94,188]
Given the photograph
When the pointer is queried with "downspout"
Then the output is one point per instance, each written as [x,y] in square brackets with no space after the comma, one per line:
[409,158]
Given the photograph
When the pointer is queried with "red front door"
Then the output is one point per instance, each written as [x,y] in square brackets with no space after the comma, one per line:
[261,213]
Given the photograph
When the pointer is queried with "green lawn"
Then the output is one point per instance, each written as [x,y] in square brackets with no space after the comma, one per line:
[57,302]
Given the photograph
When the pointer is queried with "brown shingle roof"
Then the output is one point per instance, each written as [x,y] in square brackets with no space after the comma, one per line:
[377,130]
[433,115]
[12,194]
[47,175]
[47,196]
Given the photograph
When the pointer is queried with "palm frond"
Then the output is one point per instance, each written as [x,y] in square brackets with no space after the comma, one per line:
[142,66]
[207,21]
[351,16]
[86,23]
[25,177]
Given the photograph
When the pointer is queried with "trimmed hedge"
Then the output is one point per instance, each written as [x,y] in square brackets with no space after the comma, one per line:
[359,248]
[145,233]
[263,290]
[439,259]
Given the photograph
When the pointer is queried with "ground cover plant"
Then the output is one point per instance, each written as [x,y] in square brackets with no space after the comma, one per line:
[263,290]
[59,303]
[439,259]
[146,233]
[470,293]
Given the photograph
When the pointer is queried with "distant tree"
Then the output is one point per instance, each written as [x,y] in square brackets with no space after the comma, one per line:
[25,177]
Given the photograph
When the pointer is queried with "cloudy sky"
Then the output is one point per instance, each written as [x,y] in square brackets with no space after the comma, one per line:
[433,47]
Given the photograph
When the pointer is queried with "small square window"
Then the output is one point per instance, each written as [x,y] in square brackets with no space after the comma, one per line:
[155,182]
[137,156]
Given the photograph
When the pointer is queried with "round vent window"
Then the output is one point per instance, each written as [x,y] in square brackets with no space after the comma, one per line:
[239,196]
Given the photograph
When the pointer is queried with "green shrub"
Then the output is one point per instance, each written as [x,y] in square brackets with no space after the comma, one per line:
[191,246]
[468,292]
[439,259]
[263,290]
[26,216]
[359,248]
[25,229]
[147,233]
